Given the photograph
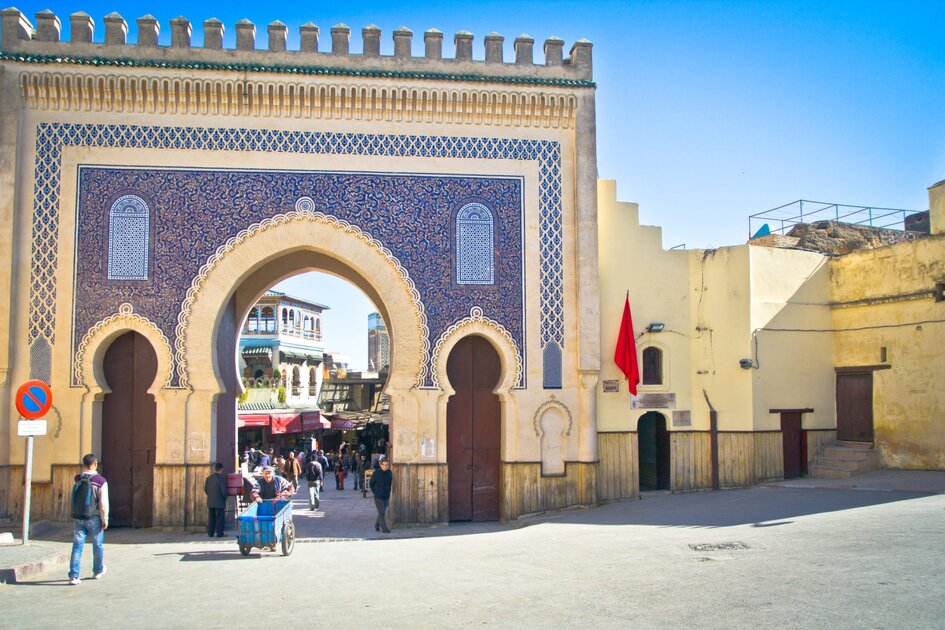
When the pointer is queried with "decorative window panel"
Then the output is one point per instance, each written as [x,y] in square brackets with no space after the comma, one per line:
[475,252]
[551,366]
[129,233]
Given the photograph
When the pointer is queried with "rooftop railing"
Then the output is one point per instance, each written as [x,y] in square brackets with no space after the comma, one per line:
[782,219]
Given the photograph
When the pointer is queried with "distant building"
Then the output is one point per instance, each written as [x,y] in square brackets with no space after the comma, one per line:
[378,344]
[284,332]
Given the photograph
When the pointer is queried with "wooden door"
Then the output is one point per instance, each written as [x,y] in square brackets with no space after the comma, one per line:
[791,438]
[855,407]
[473,431]
[129,430]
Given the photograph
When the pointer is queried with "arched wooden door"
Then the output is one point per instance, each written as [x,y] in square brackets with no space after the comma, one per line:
[129,431]
[473,431]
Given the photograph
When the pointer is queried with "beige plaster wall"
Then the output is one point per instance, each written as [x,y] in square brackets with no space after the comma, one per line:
[632,259]
[885,298]
[791,322]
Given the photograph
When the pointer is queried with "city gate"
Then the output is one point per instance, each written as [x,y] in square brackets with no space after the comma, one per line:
[157,191]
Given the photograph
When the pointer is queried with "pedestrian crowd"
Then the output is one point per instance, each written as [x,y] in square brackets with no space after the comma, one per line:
[265,477]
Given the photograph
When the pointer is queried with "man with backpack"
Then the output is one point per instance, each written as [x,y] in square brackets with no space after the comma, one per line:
[313,474]
[89,518]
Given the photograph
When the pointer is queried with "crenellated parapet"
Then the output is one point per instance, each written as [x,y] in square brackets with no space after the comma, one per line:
[21,41]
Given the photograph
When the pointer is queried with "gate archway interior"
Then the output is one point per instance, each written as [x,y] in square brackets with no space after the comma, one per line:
[129,430]
[653,451]
[245,296]
[473,431]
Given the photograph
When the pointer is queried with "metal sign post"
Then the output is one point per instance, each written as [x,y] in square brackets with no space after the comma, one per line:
[29,485]
[33,400]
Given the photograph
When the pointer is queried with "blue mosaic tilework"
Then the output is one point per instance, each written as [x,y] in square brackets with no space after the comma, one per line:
[51,137]
[409,214]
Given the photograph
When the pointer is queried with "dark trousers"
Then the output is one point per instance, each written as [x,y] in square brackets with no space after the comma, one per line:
[381,505]
[215,522]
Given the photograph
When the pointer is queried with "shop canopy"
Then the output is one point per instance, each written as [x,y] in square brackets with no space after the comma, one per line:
[279,423]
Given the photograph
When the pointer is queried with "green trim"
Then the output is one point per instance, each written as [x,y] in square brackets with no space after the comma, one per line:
[287,69]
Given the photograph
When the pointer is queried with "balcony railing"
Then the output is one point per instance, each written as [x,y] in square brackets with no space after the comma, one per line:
[286,331]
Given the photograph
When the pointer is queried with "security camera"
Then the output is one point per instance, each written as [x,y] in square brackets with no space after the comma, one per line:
[745,364]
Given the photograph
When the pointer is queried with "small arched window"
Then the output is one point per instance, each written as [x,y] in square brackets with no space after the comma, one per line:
[475,249]
[129,238]
[285,317]
[252,322]
[652,366]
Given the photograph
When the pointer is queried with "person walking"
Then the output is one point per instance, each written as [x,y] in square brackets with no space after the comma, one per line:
[313,475]
[215,489]
[293,469]
[340,473]
[360,467]
[382,482]
[89,518]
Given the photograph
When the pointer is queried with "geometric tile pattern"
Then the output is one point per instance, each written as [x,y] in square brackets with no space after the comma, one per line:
[128,239]
[475,253]
[52,137]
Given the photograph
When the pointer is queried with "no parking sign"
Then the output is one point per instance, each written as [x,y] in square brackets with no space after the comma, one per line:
[33,399]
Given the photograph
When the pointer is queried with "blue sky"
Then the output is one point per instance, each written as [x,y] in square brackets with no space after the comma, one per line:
[707,111]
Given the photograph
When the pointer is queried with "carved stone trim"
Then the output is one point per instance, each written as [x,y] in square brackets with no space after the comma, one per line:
[127,317]
[476,317]
[304,211]
[63,91]
[545,406]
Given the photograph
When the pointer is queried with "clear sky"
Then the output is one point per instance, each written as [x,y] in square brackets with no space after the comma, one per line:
[707,112]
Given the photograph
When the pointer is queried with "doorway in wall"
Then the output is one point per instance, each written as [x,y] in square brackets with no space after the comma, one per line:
[653,451]
[129,431]
[473,431]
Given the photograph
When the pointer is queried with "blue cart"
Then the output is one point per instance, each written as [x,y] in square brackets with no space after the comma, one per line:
[267,524]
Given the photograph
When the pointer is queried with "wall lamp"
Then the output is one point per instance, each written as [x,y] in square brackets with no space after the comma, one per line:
[655,327]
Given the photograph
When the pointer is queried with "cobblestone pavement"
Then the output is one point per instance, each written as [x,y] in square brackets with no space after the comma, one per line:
[779,557]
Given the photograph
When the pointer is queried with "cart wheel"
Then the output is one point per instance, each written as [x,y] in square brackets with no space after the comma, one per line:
[245,549]
[288,538]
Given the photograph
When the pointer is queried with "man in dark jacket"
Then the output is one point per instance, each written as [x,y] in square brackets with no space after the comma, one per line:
[381,483]
[215,488]
[313,475]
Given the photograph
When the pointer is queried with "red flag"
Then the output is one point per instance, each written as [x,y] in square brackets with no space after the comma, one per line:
[625,356]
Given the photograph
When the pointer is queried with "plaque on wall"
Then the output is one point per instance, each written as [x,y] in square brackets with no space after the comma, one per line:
[611,386]
[682,418]
[654,401]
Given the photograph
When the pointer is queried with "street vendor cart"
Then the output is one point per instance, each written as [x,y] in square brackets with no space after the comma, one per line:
[267,524]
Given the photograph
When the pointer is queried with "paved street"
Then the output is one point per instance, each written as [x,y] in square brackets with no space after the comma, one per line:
[775,556]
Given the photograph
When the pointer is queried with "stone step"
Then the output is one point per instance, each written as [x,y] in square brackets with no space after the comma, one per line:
[852,454]
[857,445]
[844,464]
[824,472]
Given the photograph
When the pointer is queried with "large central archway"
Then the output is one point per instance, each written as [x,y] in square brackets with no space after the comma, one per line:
[243,268]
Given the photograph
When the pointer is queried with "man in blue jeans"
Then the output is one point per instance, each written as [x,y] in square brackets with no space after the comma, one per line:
[89,518]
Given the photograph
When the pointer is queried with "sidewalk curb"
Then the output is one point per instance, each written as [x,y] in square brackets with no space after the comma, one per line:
[19,572]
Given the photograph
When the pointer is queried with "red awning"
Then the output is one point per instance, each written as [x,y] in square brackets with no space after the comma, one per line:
[287,423]
[252,420]
[312,420]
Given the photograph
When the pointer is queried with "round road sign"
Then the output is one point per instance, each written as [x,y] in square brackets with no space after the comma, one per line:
[33,399]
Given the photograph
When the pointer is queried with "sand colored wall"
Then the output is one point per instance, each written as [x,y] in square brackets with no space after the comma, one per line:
[885,298]
[791,321]
[632,258]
